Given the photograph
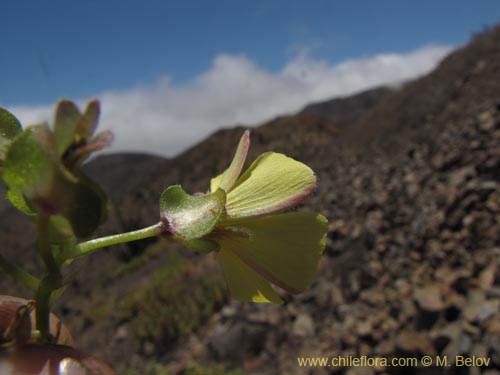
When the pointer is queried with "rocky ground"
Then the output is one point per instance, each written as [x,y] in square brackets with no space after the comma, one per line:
[410,182]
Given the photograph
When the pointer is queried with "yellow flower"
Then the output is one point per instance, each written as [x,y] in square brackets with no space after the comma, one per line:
[242,219]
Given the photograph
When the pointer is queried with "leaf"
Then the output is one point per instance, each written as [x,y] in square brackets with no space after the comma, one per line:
[243,283]
[227,179]
[272,183]
[284,249]
[87,208]
[66,121]
[9,128]
[30,168]
[190,217]
[17,199]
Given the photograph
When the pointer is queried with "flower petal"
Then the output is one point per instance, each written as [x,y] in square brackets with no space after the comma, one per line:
[98,142]
[272,183]
[65,123]
[284,249]
[200,245]
[243,283]
[88,122]
[227,179]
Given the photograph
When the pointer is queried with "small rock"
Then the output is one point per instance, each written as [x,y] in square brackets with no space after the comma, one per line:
[413,342]
[121,333]
[385,347]
[493,326]
[228,311]
[479,350]
[430,298]
[364,328]
[337,296]
[487,276]
[148,348]
[458,346]
[475,299]
[459,176]
[471,329]
[303,326]
[488,309]
[404,287]
[232,339]
[408,309]
[487,121]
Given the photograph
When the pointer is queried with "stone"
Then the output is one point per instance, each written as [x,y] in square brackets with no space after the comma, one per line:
[458,345]
[415,342]
[303,326]
[487,121]
[487,276]
[475,298]
[121,333]
[459,176]
[430,297]
[488,309]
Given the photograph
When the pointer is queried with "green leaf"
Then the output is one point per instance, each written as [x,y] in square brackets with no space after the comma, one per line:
[30,168]
[272,183]
[227,179]
[244,283]
[191,217]
[66,121]
[284,249]
[87,208]
[17,199]
[9,128]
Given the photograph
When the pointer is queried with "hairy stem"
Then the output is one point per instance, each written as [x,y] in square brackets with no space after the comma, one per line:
[87,247]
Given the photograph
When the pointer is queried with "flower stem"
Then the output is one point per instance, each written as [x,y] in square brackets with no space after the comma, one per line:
[50,282]
[18,274]
[43,311]
[42,230]
[85,248]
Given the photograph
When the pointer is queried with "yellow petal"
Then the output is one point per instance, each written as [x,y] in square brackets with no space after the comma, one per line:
[273,183]
[243,283]
[284,249]
[227,179]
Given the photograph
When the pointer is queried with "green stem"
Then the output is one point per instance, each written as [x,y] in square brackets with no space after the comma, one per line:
[85,248]
[42,231]
[43,311]
[19,275]
[50,282]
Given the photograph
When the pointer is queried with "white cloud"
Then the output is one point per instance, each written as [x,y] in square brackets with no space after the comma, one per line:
[165,118]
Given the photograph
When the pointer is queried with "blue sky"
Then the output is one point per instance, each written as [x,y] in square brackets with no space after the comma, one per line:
[167,62]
